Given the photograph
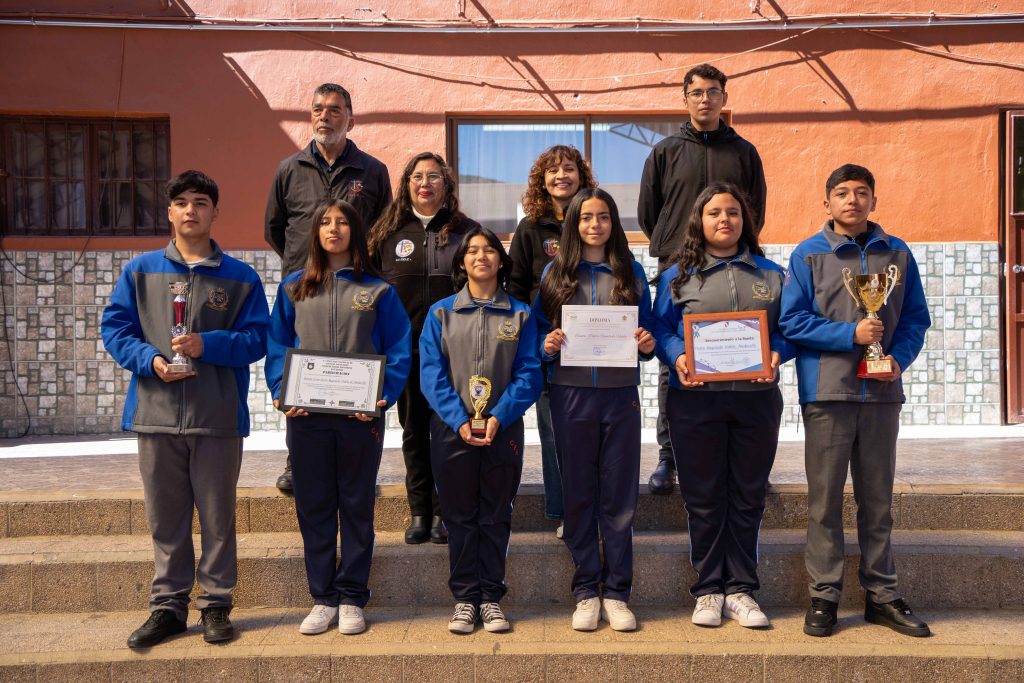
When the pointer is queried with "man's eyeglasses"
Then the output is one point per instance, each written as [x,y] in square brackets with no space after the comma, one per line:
[714,94]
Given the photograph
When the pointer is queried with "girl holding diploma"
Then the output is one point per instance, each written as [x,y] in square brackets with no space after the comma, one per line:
[479,356]
[595,411]
[727,432]
[337,303]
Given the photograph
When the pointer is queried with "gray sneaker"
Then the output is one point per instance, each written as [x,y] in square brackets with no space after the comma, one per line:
[493,618]
[463,619]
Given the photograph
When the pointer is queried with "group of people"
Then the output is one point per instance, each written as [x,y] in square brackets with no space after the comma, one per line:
[468,328]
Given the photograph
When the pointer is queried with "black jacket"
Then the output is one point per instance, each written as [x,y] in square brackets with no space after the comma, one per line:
[680,167]
[300,184]
[533,246]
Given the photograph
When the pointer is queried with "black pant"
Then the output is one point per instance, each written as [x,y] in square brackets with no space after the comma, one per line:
[476,486]
[728,441]
[662,432]
[598,436]
[414,415]
[334,470]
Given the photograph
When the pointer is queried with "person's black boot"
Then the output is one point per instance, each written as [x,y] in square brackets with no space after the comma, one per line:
[663,479]
[217,627]
[418,531]
[897,615]
[438,534]
[284,482]
[821,617]
[161,624]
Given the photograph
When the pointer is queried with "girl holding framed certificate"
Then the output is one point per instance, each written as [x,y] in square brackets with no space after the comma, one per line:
[338,303]
[480,371]
[595,410]
[726,431]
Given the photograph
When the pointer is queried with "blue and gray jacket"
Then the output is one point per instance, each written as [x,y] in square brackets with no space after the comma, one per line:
[595,282]
[225,305]
[347,316]
[496,340]
[819,316]
[744,282]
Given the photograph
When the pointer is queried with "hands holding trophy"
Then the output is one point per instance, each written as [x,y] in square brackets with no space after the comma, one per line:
[480,392]
[180,363]
[871,292]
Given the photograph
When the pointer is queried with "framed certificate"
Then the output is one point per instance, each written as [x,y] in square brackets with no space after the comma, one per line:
[599,336]
[325,382]
[723,347]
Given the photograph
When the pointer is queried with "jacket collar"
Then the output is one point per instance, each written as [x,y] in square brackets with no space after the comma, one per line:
[349,158]
[464,300]
[742,256]
[214,260]
[836,240]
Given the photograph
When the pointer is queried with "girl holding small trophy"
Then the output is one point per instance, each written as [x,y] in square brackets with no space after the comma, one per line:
[338,303]
[480,371]
[726,432]
[595,408]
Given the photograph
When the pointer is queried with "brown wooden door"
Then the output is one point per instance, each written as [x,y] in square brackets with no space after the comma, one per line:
[1014,251]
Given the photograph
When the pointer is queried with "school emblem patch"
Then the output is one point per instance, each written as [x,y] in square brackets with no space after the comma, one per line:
[550,247]
[354,189]
[761,291]
[217,299]
[362,301]
[404,249]
[507,331]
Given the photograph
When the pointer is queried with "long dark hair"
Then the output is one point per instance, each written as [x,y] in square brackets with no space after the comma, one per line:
[459,275]
[559,285]
[317,272]
[690,254]
[399,211]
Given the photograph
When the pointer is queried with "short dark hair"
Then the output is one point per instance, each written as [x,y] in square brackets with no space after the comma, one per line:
[335,88]
[459,276]
[704,71]
[849,172]
[197,181]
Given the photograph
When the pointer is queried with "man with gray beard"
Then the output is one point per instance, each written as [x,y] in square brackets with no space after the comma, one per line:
[329,167]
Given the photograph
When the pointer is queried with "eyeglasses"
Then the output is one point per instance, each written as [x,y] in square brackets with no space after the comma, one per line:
[714,94]
[432,178]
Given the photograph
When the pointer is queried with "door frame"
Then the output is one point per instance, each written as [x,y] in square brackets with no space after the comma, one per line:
[1011,253]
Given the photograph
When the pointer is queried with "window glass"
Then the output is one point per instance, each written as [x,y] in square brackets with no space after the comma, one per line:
[618,152]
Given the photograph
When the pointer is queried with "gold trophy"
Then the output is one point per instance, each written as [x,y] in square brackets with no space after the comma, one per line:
[871,292]
[480,393]
[179,363]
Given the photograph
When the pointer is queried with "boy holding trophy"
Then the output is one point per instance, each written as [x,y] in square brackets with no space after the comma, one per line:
[854,306]
[187,321]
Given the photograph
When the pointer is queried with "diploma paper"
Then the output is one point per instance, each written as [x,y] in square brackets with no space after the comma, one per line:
[599,336]
[332,383]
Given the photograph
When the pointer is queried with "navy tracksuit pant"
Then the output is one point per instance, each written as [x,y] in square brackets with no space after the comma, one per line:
[598,435]
[476,487]
[334,471]
[414,415]
[726,442]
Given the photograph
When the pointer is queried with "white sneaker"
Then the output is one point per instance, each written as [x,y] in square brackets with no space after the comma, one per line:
[319,619]
[587,614]
[560,531]
[350,620]
[463,619]
[618,615]
[493,618]
[744,609]
[708,610]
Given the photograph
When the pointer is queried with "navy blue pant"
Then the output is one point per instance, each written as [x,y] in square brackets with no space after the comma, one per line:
[553,508]
[414,415]
[334,471]
[476,486]
[598,436]
[726,442]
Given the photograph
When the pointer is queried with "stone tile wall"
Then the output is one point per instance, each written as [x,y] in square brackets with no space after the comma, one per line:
[52,302]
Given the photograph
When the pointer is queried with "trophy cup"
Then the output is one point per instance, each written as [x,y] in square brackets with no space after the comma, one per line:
[480,392]
[179,363]
[871,292]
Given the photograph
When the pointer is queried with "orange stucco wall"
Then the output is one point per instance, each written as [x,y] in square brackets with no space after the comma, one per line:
[927,125]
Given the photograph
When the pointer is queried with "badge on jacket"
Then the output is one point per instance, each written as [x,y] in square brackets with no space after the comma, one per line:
[761,291]
[550,247]
[362,301]
[354,189]
[217,299]
[507,331]
[404,248]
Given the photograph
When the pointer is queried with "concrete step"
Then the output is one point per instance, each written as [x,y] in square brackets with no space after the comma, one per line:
[414,645]
[938,569]
[263,510]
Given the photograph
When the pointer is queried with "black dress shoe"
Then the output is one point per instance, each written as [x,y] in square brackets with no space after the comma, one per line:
[897,615]
[284,482]
[418,531]
[438,534]
[663,479]
[217,627]
[161,624]
[820,618]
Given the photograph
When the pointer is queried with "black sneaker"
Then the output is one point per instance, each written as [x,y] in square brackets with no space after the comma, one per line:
[897,615]
[821,617]
[663,479]
[284,482]
[217,627]
[161,624]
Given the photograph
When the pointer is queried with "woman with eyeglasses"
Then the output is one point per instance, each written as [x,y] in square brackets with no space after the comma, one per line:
[413,243]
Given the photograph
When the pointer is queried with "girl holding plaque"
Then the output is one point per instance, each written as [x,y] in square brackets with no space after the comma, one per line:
[337,303]
[595,411]
[726,431]
[480,371]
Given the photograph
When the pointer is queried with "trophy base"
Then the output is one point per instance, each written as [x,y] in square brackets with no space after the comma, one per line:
[478,428]
[176,368]
[875,369]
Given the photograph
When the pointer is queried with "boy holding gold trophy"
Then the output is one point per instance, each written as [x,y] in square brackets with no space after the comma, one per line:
[854,306]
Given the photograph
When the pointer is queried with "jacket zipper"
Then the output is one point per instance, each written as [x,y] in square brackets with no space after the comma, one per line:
[593,302]
[480,340]
[334,313]
[733,297]
[426,271]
